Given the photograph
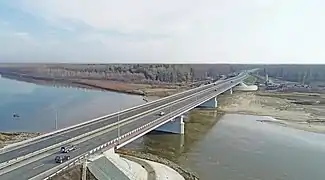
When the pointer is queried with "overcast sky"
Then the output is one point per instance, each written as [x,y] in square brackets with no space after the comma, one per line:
[158,31]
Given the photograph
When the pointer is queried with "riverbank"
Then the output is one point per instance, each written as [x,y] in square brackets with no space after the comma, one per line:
[188,175]
[305,111]
[143,89]
[10,138]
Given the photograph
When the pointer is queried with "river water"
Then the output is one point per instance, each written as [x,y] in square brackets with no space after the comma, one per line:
[35,107]
[237,147]
[215,146]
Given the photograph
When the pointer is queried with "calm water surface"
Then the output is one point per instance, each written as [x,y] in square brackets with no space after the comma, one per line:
[37,105]
[238,147]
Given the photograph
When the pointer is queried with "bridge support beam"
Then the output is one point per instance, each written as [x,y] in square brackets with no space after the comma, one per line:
[176,126]
[230,90]
[212,103]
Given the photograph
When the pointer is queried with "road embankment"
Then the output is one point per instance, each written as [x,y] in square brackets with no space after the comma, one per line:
[188,175]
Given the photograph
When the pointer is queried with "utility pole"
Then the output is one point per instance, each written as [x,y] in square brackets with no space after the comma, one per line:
[118,125]
[56,119]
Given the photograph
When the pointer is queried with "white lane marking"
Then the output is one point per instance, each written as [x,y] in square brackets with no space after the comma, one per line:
[38,166]
[22,151]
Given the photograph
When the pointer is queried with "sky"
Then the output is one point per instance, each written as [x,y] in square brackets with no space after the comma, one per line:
[163,31]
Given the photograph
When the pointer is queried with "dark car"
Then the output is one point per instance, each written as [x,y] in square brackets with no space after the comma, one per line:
[66,149]
[231,81]
[61,159]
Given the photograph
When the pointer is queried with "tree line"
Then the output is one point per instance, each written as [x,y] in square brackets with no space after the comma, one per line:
[137,73]
[305,74]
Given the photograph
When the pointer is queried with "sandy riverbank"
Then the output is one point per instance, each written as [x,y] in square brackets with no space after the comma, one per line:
[303,111]
[10,138]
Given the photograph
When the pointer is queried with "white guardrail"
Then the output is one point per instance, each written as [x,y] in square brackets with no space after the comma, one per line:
[10,146]
[156,123]
[18,159]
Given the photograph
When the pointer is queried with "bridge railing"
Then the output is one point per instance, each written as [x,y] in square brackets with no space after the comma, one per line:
[125,137]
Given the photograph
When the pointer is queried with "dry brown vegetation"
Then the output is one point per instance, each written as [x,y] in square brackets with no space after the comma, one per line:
[9,138]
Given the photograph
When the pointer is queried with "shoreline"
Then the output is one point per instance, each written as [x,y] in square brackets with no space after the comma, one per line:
[7,138]
[144,89]
[188,175]
[286,108]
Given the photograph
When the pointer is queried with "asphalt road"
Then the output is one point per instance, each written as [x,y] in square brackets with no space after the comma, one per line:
[32,169]
[62,136]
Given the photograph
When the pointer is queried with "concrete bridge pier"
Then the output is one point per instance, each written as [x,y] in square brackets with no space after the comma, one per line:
[176,126]
[230,90]
[212,103]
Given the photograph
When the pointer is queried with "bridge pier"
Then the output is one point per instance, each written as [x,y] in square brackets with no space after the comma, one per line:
[212,103]
[230,91]
[176,126]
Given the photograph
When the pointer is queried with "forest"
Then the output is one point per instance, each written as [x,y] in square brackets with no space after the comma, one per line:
[167,73]
[136,73]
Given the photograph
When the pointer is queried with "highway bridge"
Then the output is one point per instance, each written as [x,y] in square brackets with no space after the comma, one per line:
[34,158]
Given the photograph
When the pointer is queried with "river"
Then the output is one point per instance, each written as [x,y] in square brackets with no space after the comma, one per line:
[33,108]
[215,146]
[237,147]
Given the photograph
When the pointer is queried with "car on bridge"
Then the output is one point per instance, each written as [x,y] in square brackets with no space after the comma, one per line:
[161,113]
[231,81]
[61,159]
[66,149]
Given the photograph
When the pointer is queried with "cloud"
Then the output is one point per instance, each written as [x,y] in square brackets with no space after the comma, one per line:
[22,34]
[125,16]
[233,31]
